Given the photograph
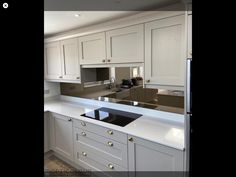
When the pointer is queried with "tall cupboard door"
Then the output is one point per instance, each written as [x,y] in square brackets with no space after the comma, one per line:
[145,155]
[61,139]
[52,61]
[165,51]
[92,49]
[125,45]
[70,56]
[190,35]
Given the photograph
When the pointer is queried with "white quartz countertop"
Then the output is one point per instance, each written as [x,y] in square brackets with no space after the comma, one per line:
[150,128]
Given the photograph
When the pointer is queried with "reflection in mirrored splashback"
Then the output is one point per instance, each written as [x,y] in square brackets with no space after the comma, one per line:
[124,85]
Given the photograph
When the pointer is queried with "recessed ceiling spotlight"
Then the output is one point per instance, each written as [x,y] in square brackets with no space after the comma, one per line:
[77,15]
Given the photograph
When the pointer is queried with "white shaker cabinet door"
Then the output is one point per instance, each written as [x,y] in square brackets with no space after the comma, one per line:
[165,51]
[92,49]
[61,138]
[125,45]
[145,155]
[70,56]
[52,61]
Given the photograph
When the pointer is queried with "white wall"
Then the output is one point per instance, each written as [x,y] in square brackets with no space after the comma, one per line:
[52,87]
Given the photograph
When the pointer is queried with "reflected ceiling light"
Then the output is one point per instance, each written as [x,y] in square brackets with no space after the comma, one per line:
[77,15]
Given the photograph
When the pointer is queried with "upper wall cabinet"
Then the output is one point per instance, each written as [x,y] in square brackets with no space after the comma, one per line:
[62,61]
[70,56]
[125,45]
[165,51]
[52,61]
[92,49]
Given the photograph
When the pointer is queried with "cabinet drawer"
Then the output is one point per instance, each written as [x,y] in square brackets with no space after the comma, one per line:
[107,148]
[93,158]
[103,131]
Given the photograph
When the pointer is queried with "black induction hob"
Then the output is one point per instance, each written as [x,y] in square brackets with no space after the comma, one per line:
[112,116]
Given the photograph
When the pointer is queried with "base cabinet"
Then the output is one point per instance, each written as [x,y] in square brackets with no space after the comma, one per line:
[144,155]
[98,148]
[61,135]
[46,133]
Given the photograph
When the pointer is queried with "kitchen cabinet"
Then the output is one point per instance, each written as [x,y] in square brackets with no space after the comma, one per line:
[165,52]
[61,135]
[52,61]
[92,49]
[70,57]
[190,35]
[99,148]
[145,155]
[62,61]
[125,45]
[46,132]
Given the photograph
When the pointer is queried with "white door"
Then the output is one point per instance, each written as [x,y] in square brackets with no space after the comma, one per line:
[52,61]
[70,56]
[63,136]
[92,49]
[165,51]
[125,45]
[145,155]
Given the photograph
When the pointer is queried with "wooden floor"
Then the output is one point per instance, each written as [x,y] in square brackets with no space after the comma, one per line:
[52,163]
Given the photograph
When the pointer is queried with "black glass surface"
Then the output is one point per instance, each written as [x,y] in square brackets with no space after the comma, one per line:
[112,116]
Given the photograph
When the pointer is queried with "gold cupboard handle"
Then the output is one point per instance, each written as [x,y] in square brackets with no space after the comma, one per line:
[83,123]
[83,134]
[110,143]
[110,166]
[84,153]
[130,139]
[110,132]
[148,80]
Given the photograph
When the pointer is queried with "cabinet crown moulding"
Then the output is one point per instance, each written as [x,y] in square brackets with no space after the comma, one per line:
[141,17]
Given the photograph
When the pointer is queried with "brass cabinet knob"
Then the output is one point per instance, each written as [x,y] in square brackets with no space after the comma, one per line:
[108,60]
[69,119]
[83,123]
[110,143]
[60,77]
[77,77]
[148,80]
[110,132]
[84,153]
[110,166]
[131,139]
[83,134]
[103,61]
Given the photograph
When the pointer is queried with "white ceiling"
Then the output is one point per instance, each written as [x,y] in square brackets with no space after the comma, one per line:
[61,21]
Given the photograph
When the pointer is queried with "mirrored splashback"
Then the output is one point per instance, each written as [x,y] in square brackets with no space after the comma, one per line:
[124,85]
